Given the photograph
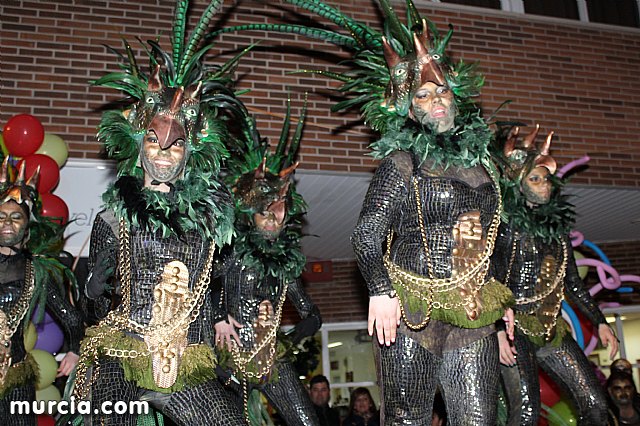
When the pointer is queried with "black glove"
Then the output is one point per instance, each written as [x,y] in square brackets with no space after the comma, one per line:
[99,276]
[307,327]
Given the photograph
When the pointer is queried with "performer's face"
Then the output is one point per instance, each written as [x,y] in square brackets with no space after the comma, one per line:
[268,225]
[163,165]
[536,186]
[433,105]
[13,224]
[320,394]
[621,392]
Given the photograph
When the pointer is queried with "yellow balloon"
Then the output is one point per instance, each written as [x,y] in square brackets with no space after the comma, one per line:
[582,270]
[30,337]
[50,393]
[4,149]
[47,368]
[54,147]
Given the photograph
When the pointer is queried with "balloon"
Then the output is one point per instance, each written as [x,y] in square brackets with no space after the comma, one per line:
[23,134]
[549,391]
[46,318]
[45,420]
[55,207]
[50,337]
[582,270]
[54,147]
[563,410]
[30,337]
[47,366]
[49,171]
[50,393]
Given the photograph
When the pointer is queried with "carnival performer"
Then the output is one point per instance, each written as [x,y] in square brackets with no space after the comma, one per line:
[534,257]
[30,281]
[429,219]
[166,217]
[264,270]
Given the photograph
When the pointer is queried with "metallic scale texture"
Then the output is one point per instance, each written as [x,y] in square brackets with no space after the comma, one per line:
[243,295]
[566,364]
[12,270]
[463,362]
[205,404]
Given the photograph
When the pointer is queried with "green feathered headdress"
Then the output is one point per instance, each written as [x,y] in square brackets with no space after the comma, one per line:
[260,179]
[367,85]
[197,97]
[515,159]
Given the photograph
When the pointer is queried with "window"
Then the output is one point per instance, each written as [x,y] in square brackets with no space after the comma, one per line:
[347,361]
[619,12]
[490,4]
[567,9]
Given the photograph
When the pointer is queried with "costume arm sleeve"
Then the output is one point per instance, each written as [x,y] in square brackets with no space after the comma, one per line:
[577,293]
[102,256]
[311,319]
[385,195]
[66,316]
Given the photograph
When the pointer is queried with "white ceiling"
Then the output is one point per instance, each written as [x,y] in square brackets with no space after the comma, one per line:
[604,214]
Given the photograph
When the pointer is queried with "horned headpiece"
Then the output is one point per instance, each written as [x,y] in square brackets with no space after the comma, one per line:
[523,155]
[18,190]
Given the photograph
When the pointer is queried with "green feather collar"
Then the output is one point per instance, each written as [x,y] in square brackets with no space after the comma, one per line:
[281,258]
[196,203]
[550,222]
[465,145]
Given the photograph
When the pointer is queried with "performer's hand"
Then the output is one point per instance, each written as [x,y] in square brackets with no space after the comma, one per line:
[507,352]
[226,332]
[509,320]
[102,271]
[384,315]
[67,364]
[608,339]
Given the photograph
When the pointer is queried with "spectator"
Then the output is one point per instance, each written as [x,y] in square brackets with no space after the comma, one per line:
[623,365]
[362,409]
[623,401]
[320,393]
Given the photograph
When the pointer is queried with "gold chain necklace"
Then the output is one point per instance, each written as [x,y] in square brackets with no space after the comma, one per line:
[423,288]
[10,322]
[557,282]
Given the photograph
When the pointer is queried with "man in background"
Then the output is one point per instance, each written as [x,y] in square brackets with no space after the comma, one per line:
[320,394]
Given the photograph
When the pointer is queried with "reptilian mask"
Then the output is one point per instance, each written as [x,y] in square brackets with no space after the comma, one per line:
[16,202]
[264,196]
[170,119]
[532,166]
[411,71]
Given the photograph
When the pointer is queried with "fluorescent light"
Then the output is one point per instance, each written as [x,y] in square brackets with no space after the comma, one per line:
[334,344]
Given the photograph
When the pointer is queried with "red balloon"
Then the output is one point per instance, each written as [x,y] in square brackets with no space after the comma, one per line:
[549,391]
[45,420]
[23,134]
[49,171]
[54,207]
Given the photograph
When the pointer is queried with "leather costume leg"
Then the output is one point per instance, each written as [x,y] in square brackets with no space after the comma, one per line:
[110,385]
[470,383]
[207,404]
[524,409]
[569,367]
[20,393]
[408,378]
[290,398]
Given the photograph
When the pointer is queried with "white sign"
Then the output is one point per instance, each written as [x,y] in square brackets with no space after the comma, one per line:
[82,183]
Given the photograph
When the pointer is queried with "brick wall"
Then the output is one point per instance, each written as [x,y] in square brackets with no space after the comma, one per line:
[577,79]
